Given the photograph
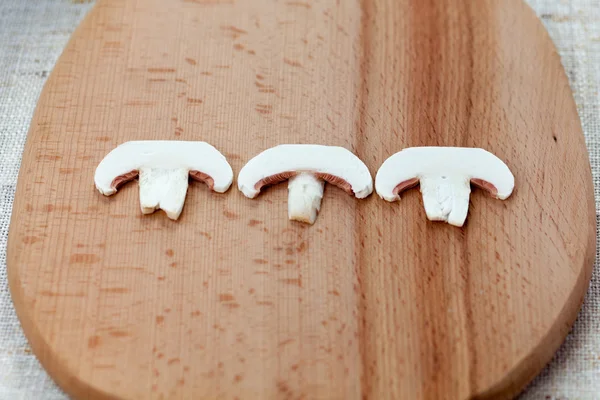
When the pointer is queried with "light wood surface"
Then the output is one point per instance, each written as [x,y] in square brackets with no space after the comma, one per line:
[235,301]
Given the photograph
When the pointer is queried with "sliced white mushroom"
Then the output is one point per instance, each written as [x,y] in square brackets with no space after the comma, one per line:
[445,175]
[163,167]
[308,167]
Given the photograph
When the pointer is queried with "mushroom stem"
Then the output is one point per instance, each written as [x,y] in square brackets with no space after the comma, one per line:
[446,198]
[164,189]
[305,192]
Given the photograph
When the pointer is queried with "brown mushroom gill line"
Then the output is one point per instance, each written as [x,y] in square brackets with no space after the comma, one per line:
[485,185]
[202,177]
[411,183]
[405,185]
[124,178]
[196,175]
[337,181]
[282,176]
[274,179]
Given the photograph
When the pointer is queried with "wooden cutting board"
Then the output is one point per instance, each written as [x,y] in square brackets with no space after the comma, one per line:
[235,301]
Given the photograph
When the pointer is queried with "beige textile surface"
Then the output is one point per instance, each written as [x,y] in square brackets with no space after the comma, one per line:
[33,33]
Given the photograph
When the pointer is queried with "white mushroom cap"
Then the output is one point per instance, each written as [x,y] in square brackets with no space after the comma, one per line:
[407,167]
[335,165]
[445,175]
[204,162]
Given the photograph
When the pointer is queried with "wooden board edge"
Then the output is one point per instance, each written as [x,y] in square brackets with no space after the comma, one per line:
[65,378]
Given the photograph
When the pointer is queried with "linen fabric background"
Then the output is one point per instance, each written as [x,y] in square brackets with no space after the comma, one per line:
[33,34]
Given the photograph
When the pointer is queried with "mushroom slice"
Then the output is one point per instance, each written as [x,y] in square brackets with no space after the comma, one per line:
[445,175]
[308,167]
[163,167]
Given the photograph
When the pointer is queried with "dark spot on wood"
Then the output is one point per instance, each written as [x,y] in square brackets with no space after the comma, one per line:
[181,382]
[264,108]
[232,155]
[169,252]
[103,138]
[160,319]
[226,297]
[293,63]
[334,292]
[233,31]
[161,278]
[56,294]
[140,103]
[230,214]
[191,61]
[296,282]
[194,101]
[260,77]
[288,341]
[49,207]
[160,355]
[290,262]
[161,70]
[46,157]
[237,378]
[93,341]
[173,361]
[196,313]
[111,45]
[554,137]
[251,52]
[251,291]
[82,258]
[283,387]
[206,235]
[186,368]
[173,265]
[115,290]
[30,239]
[260,261]
[254,222]
[238,46]
[28,207]
[301,247]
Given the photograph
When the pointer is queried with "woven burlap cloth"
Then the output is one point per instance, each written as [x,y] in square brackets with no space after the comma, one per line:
[33,33]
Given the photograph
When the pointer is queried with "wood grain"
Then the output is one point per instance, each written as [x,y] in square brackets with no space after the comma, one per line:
[235,301]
